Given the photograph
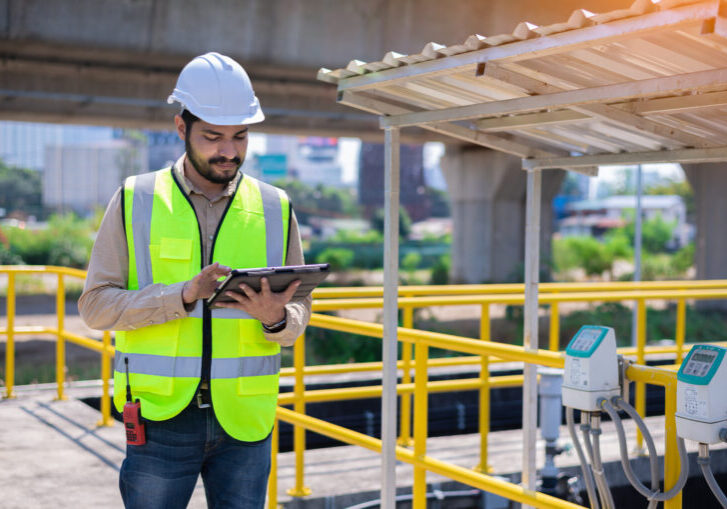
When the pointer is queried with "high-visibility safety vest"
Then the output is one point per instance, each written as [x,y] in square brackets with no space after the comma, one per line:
[165,361]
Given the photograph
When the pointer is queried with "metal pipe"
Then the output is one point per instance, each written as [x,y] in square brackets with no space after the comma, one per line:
[106,419]
[681,328]
[300,489]
[391,322]
[10,341]
[484,409]
[60,341]
[585,466]
[421,424]
[405,438]
[530,328]
[554,343]
[640,396]
[600,474]
[637,251]
[273,478]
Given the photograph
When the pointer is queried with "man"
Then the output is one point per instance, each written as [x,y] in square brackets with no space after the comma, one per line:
[206,380]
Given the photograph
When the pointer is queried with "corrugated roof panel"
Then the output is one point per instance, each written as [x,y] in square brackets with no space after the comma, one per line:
[645,42]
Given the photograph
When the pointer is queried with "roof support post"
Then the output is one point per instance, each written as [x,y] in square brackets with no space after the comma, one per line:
[391,322]
[530,325]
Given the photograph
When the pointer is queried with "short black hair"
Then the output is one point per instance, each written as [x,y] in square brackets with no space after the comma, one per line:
[189,119]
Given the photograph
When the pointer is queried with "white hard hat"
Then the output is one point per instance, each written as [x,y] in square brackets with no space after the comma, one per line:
[217,89]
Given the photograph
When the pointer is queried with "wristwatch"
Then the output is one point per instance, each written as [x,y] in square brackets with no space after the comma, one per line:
[278,326]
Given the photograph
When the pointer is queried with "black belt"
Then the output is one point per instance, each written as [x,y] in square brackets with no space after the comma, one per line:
[203,397]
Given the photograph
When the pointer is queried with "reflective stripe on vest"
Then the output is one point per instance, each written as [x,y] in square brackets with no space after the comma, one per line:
[163,365]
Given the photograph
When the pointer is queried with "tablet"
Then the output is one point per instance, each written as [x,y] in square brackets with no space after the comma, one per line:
[279,278]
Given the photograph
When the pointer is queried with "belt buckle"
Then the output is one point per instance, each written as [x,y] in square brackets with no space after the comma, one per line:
[200,403]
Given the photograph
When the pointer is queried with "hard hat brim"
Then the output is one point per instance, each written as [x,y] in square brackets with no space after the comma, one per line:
[213,118]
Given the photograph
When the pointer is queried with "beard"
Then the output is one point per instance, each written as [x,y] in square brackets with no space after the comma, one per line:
[205,169]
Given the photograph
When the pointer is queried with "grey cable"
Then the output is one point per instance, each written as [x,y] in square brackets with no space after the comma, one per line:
[598,464]
[585,467]
[709,477]
[654,467]
[653,496]
[585,429]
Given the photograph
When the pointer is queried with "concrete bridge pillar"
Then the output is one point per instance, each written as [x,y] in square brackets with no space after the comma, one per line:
[487,190]
[709,181]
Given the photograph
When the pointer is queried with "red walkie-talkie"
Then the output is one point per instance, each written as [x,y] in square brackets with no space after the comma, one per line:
[132,415]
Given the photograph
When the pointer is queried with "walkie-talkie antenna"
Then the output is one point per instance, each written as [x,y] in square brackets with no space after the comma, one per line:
[128,384]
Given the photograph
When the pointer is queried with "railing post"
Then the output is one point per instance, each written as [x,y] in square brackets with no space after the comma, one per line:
[273,478]
[484,418]
[421,415]
[300,489]
[640,359]
[10,345]
[554,341]
[671,454]
[106,419]
[405,418]
[60,342]
[681,328]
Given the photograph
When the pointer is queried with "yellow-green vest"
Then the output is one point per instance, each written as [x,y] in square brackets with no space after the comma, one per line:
[165,360]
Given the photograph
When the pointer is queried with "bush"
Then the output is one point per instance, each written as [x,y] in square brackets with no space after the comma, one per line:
[411,261]
[67,241]
[8,258]
[683,259]
[337,258]
[583,252]
[440,271]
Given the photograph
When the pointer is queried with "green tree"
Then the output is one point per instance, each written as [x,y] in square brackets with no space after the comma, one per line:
[679,188]
[655,232]
[320,200]
[377,222]
[20,190]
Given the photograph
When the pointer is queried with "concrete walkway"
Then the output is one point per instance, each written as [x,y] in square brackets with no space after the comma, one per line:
[54,455]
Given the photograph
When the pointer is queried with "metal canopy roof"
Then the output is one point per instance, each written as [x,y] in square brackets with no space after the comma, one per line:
[644,84]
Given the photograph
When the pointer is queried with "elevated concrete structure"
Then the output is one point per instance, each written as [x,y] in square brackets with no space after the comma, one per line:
[114,63]
[709,182]
[487,192]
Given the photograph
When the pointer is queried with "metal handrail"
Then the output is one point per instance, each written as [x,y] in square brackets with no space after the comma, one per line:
[481,351]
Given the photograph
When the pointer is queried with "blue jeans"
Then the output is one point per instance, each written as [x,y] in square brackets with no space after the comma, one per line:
[163,472]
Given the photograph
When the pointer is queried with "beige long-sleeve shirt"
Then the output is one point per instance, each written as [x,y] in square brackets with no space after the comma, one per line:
[106,304]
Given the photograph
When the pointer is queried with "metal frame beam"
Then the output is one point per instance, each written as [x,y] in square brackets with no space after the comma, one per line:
[583,96]
[696,155]
[667,105]
[455,131]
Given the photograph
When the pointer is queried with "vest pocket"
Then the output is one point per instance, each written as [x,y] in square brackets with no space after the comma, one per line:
[171,258]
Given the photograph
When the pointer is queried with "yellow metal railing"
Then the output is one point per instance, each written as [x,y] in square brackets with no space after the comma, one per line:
[481,352]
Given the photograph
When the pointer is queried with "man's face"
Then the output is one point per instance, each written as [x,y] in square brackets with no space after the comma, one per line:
[215,151]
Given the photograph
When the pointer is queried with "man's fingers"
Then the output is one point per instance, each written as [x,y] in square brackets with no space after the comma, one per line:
[236,296]
[290,291]
[249,292]
[264,286]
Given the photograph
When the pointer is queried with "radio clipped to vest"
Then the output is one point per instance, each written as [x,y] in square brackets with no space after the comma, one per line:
[132,415]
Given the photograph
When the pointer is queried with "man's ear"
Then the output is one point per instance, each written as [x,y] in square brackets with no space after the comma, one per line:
[181,127]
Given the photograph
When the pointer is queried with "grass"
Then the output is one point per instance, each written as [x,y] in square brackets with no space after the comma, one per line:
[39,373]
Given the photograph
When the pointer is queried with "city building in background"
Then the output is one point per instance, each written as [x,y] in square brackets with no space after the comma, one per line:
[596,217]
[22,144]
[80,178]
[371,179]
